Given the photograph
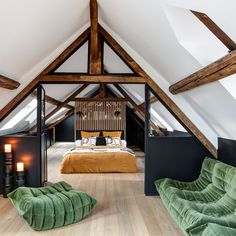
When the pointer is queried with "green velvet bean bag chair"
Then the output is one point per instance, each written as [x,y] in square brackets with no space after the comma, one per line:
[52,206]
[193,205]
[212,230]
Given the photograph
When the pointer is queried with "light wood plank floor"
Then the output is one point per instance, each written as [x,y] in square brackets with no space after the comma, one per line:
[122,207]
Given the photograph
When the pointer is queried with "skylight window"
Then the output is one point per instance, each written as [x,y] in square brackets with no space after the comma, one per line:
[20,115]
[56,114]
[161,120]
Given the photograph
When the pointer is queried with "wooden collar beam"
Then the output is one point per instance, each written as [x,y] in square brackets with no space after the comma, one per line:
[218,70]
[98,99]
[8,83]
[78,78]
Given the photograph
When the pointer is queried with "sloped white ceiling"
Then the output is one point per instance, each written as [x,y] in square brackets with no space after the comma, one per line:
[35,32]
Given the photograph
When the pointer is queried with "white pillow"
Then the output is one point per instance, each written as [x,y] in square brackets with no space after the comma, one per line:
[116,141]
[78,142]
[92,141]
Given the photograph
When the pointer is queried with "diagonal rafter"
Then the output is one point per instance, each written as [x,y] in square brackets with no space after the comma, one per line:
[61,105]
[216,30]
[66,101]
[138,109]
[51,100]
[157,91]
[52,66]
[152,100]
[68,114]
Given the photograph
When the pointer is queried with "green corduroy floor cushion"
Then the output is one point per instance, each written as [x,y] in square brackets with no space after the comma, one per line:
[52,206]
[212,230]
[209,199]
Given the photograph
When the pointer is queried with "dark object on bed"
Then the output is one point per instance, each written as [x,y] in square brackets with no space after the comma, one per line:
[100,141]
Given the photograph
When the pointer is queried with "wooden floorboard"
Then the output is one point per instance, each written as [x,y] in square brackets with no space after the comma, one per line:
[122,208]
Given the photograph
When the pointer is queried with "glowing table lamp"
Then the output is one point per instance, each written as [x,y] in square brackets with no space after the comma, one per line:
[20,181]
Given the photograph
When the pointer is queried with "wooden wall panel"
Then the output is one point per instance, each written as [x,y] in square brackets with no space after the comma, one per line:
[100,115]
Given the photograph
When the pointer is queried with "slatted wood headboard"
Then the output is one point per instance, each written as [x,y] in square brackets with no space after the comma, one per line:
[100,114]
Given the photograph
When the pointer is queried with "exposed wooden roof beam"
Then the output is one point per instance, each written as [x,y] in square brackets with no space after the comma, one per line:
[95,50]
[67,52]
[152,100]
[61,105]
[51,100]
[135,118]
[78,78]
[52,66]
[8,83]
[131,113]
[98,99]
[218,70]
[162,96]
[69,113]
[66,101]
[216,30]
[102,91]
[137,108]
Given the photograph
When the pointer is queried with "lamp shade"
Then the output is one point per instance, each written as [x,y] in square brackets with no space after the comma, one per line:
[7,148]
[20,166]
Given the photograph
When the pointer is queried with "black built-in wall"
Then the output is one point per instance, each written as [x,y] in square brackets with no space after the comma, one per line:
[227,151]
[177,156]
[65,130]
[29,149]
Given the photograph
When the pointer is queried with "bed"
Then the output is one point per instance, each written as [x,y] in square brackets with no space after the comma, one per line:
[99,159]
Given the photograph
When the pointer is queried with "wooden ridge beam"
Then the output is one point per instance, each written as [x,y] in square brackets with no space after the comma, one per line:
[140,111]
[95,46]
[157,91]
[78,78]
[34,83]
[51,100]
[216,30]
[220,69]
[8,83]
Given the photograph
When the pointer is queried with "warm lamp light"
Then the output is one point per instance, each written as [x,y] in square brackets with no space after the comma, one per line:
[7,148]
[20,166]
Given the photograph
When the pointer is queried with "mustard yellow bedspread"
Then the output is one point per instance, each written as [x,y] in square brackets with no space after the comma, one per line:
[98,162]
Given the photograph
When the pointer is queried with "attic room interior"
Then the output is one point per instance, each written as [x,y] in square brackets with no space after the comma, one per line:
[117,118]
